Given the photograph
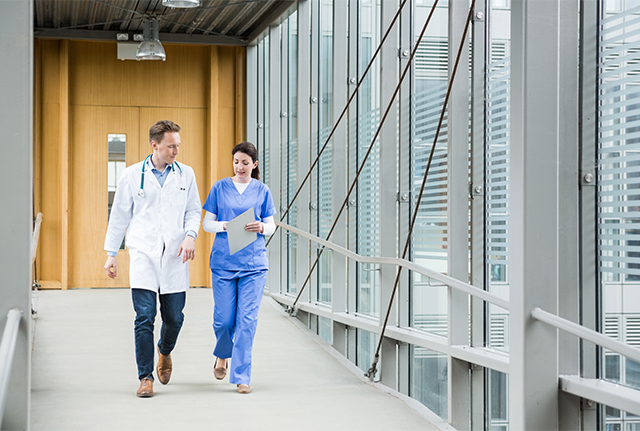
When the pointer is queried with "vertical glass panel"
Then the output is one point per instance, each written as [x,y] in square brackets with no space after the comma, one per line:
[324,329]
[117,162]
[498,400]
[289,105]
[619,192]
[497,153]
[497,200]
[366,348]
[429,236]
[325,123]
[368,187]
[262,106]
[429,380]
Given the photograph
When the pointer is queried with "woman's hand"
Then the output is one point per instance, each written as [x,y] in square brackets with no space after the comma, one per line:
[254,226]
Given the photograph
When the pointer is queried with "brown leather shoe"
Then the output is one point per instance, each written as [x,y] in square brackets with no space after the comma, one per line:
[244,389]
[146,388]
[164,368]
[220,372]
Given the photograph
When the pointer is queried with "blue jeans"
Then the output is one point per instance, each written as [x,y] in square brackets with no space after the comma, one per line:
[145,306]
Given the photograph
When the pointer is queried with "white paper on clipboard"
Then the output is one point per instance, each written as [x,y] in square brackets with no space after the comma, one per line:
[238,237]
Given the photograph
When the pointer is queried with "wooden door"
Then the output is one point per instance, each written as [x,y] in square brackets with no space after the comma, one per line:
[90,128]
[193,152]
[88,194]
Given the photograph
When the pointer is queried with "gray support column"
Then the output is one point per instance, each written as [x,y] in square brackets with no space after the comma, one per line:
[304,144]
[568,231]
[315,106]
[406,45]
[539,85]
[339,167]
[457,212]
[478,207]
[588,197]
[273,118]
[16,217]
[252,94]
[352,223]
[388,144]
[284,139]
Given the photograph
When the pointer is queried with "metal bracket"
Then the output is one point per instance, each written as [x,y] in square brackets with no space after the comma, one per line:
[587,178]
[403,53]
[403,197]
[292,312]
[476,190]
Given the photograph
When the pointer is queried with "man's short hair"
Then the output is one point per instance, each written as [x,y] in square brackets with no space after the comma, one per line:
[157,131]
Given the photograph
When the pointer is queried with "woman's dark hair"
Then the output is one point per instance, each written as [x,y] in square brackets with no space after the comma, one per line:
[250,150]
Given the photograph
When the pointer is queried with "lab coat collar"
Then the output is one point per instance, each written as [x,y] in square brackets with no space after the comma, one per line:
[152,167]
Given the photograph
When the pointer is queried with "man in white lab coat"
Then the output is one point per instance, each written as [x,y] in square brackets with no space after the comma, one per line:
[158,206]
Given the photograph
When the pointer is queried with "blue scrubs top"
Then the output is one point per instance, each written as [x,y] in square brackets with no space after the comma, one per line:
[227,203]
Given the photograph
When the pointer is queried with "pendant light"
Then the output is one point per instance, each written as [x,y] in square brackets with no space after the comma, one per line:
[150,48]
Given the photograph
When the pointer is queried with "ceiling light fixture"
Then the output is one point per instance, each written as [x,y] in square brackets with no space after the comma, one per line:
[150,48]
[181,3]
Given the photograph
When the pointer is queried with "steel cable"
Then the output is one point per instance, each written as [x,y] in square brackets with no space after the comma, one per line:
[364,161]
[371,372]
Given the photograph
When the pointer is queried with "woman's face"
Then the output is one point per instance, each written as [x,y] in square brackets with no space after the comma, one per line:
[242,166]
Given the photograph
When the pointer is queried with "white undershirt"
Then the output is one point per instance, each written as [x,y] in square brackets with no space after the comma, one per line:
[211,223]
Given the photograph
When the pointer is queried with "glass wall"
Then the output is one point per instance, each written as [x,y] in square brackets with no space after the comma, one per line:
[619,193]
[421,320]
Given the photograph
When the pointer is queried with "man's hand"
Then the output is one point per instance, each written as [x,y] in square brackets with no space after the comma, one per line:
[111,267]
[187,248]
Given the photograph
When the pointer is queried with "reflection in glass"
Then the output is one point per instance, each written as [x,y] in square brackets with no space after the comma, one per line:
[368,187]
[115,166]
[429,380]
[289,179]
[619,193]
[367,343]
[324,170]
[429,236]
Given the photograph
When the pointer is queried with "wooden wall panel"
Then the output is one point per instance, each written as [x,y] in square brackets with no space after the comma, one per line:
[83,93]
[90,126]
[48,259]
[100,79]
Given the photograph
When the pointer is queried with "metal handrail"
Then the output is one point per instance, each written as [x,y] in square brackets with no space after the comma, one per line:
[598,390]
[7,350]
[35,237]
[586,334]
[449,281]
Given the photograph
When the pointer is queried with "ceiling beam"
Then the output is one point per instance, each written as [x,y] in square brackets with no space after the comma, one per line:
[110,35]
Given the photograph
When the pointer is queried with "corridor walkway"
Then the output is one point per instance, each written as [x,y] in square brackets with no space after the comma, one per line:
[84,375]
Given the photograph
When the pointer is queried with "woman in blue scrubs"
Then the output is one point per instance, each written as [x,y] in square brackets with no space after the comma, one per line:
[238,279]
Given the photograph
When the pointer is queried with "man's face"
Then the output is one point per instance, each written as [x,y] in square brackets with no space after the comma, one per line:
[167,149]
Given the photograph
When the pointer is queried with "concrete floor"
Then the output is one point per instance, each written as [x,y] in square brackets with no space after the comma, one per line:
[84,375]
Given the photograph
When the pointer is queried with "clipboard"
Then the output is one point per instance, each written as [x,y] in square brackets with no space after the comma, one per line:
[236,235]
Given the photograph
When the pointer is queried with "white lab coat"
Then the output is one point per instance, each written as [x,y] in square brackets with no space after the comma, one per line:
[155,224]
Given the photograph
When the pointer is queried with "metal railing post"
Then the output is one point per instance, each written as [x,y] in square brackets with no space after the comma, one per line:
[7,349]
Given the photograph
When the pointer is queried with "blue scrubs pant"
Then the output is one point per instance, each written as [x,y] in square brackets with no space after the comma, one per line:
[145,305]
[237,296]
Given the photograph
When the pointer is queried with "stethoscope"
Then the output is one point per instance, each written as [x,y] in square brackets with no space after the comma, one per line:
[141,192]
